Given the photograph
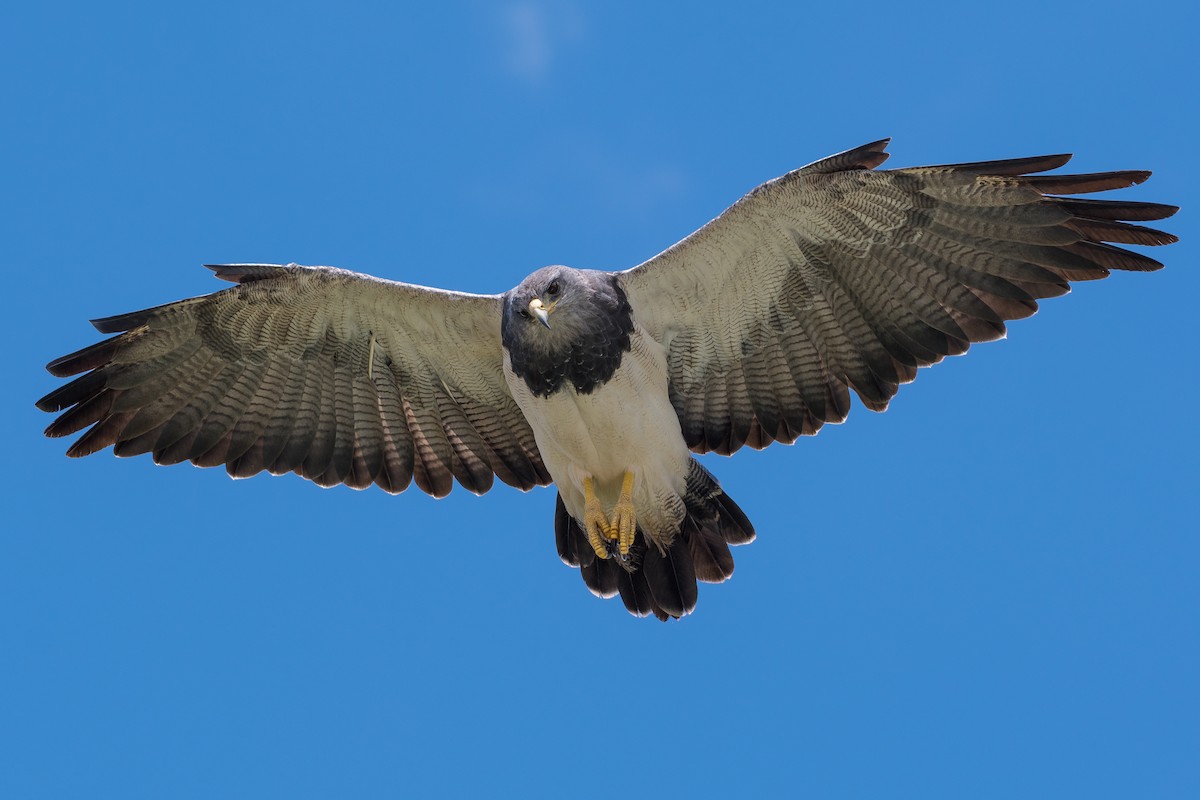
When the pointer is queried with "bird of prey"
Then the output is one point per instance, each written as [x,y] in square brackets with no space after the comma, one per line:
[752,330]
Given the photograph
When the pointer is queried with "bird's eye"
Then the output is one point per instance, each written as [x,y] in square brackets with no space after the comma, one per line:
[552,289]
[524,313]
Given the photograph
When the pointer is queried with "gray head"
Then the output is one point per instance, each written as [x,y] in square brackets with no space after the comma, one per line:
[562,324]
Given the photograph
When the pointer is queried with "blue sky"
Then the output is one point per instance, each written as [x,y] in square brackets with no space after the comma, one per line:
[988,591]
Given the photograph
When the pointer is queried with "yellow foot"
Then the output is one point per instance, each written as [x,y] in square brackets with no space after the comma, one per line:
[595,523]
[623,524]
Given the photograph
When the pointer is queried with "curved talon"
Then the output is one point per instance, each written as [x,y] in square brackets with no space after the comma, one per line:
[595,523]
[623,524]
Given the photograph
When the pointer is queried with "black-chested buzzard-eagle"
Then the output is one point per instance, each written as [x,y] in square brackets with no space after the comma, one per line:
[752,330]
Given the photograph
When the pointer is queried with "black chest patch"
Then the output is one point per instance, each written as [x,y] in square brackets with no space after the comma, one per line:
[584,349]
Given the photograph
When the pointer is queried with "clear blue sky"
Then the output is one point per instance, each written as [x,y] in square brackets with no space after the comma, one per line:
[990,591]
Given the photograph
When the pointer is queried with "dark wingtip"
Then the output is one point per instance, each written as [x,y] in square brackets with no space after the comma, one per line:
[122,322]
[873,154]
[56,369]
[83,360]
[867,156]
[244,273]
[1086,183]
[1058,159]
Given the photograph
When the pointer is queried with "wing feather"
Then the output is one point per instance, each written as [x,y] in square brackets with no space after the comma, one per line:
[342,462]
[156,402]
[175,442]
[336,376]
[213,443]
[300,417]
[280,424]
[367,457]
[396,472]
[838,276]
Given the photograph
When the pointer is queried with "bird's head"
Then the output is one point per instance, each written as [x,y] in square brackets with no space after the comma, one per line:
[559,315]
[547,296]
[552,306]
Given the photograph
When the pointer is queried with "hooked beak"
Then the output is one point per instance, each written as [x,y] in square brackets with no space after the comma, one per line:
[540,311]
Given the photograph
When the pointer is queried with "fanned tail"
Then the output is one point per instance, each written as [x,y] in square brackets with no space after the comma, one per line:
[663,582]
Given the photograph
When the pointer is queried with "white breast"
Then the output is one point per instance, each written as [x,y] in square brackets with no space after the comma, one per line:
[626,424]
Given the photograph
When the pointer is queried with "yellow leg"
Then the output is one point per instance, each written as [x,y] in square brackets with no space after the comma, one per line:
[595,523]
[624,520]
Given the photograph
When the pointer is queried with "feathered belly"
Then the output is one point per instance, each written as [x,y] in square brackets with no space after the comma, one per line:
[627,423]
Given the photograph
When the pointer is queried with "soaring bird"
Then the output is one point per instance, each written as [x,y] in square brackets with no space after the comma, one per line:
[752,330]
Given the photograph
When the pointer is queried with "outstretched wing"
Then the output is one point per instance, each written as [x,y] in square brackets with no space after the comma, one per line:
[337,376]
[838,277]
